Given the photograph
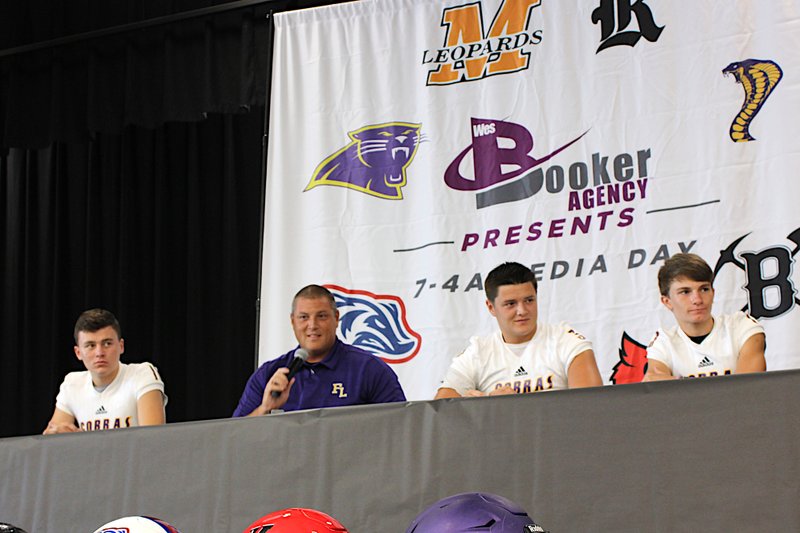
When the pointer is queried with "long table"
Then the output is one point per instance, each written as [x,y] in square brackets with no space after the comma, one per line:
[717,454]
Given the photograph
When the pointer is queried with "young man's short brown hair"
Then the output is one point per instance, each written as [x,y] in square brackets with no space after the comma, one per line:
[95,320]
[690,266]
[507,274]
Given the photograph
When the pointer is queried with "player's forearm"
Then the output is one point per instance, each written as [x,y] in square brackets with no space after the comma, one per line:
[53,429]
[260,410]
[446,392]
[751,356]
[150,409]
[751,365]
[583,371]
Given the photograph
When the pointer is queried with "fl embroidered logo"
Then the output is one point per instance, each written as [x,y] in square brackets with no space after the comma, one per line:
[471,52]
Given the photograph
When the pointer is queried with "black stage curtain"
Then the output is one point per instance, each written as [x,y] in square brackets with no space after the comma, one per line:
[146,77]
[160,226]
[131,179]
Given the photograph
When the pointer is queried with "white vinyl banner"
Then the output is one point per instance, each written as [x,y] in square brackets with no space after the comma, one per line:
[416,144]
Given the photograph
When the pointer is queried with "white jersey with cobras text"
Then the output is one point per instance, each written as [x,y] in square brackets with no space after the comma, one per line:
[116,405]
[488,363]
[717,355]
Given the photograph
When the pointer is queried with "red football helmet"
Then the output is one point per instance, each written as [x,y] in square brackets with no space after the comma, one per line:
[296,520]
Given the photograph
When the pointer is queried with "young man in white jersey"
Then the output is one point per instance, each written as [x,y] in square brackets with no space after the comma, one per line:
[109,394]
[524,355]
[702,344]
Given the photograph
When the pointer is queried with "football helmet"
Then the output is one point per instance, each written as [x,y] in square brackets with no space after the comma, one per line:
[473,512]
[296,520]
[137,524]
[8,528]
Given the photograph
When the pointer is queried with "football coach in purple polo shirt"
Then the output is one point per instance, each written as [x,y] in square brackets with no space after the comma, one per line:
[333,375]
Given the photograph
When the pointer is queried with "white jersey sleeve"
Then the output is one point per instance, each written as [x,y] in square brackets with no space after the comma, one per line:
[743,326]
[73,381]
[145,378]
[468,368]
[568,344]
[659,348]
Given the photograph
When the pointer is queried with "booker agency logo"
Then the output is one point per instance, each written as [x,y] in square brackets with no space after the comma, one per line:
[374,162]
[471,52]
[489,161]
[758,78]
[498,166]
[376,323]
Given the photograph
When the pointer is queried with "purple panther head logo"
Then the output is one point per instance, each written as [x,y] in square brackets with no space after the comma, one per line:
[374,162]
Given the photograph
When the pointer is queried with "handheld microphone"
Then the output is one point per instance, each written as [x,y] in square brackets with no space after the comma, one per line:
[300,357]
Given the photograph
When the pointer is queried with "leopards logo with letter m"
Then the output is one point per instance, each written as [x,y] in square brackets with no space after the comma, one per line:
[471,52]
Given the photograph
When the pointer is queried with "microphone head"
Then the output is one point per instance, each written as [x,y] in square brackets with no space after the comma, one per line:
[302,354]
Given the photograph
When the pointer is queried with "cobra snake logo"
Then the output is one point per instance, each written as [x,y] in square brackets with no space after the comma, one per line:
[758,77]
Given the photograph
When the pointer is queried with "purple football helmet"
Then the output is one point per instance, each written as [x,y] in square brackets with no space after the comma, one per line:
[474,512]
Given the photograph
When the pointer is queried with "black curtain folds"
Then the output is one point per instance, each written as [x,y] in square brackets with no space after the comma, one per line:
[147,77]
[130,179]
[161,227]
